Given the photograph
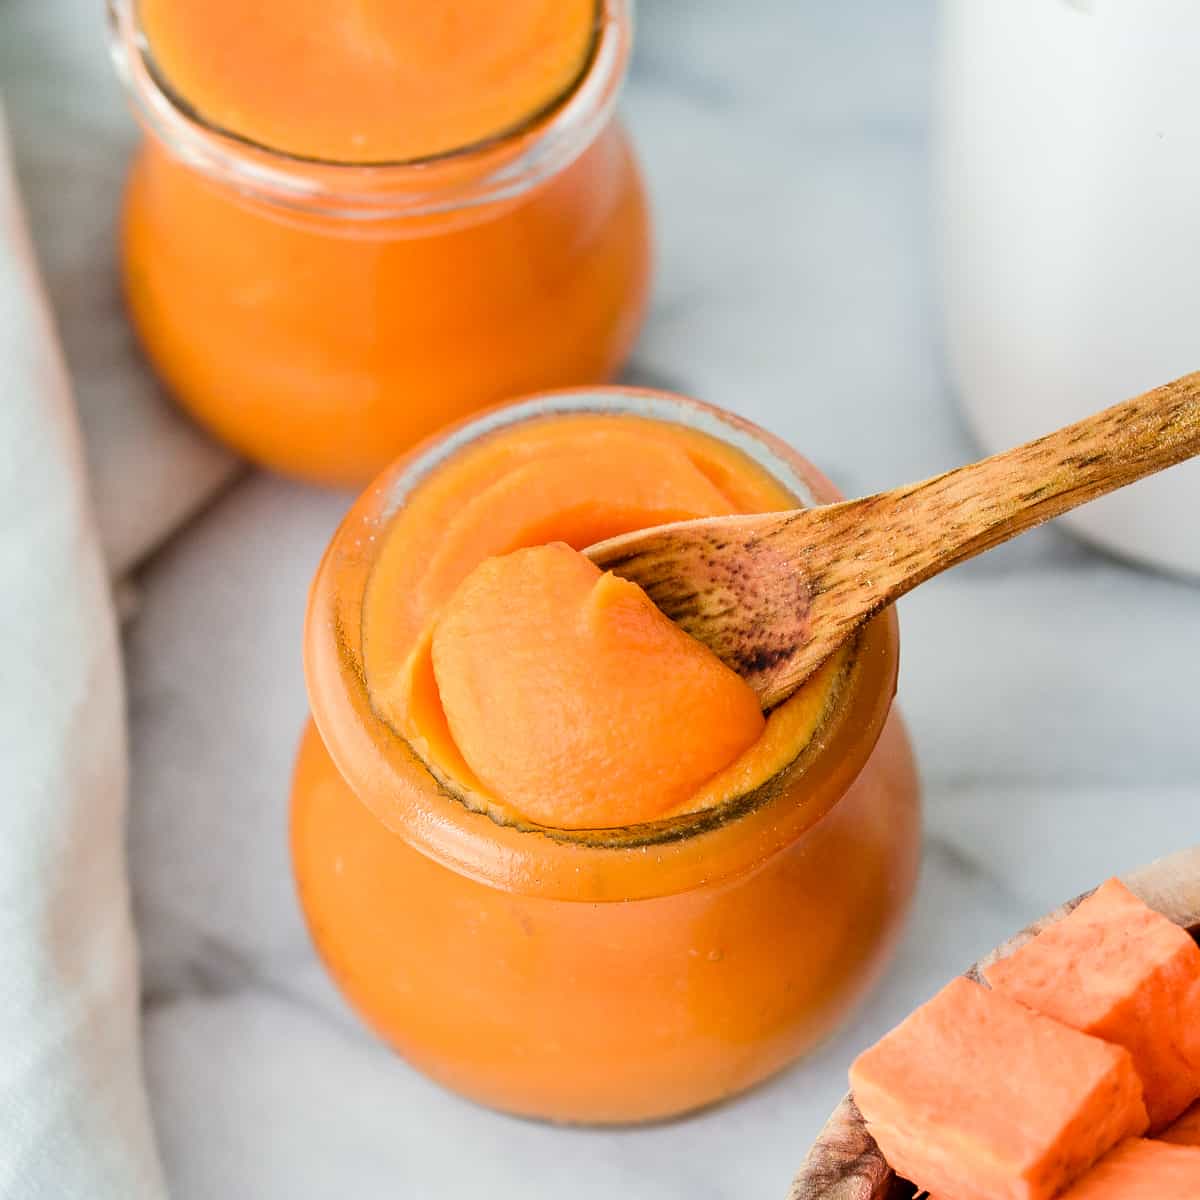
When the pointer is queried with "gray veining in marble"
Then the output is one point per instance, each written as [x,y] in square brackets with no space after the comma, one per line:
[1050,691]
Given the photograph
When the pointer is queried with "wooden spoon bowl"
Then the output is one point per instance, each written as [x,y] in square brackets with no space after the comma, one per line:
[846,1164]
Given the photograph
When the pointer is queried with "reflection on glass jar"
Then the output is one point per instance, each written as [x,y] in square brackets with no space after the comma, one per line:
[323,316]
[599,975]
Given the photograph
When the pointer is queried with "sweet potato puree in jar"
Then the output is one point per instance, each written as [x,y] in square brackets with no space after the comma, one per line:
[564,863]
[369,81]
[353,223]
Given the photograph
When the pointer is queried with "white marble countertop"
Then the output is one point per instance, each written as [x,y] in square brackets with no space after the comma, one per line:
[1050,691]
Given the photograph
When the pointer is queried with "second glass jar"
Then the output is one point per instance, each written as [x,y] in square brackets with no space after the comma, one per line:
[323,317]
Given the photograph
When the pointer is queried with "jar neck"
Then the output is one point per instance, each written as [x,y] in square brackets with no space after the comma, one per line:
[606,864]
[474,177]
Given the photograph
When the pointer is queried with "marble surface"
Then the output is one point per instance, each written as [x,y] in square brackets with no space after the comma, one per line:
[1050,691]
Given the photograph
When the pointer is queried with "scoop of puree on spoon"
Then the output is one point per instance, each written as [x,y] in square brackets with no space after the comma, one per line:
[775,594]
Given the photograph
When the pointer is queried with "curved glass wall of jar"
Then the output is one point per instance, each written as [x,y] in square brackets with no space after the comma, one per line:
[323,317]
[596,975]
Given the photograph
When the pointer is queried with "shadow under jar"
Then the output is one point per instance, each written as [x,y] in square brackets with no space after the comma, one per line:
[324,316]
[593,975]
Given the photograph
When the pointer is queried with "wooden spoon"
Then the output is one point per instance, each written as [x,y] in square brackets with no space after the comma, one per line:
[775,594]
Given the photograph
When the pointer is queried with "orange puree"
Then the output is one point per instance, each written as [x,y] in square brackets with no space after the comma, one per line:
[409,228]
[575,700]
[369,80]
[541,690]
[605,887]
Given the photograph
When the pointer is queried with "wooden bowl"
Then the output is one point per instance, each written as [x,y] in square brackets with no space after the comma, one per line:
[845,1163]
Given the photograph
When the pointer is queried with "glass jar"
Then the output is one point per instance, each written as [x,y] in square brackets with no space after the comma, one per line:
[607,975]
[323,317]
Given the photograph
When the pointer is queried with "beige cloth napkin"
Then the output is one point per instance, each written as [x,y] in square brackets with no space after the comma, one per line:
[72,136]
[74,1120]
[73,1115]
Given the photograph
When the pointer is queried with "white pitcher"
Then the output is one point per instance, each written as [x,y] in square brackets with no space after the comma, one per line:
[1068,180]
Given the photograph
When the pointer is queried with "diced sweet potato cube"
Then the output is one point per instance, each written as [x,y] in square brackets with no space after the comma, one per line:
[976,1097]
[1141,1170]
[1185,1131]
[1120,971]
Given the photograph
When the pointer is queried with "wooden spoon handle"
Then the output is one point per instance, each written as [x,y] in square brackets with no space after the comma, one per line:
[858,557]
[953,517]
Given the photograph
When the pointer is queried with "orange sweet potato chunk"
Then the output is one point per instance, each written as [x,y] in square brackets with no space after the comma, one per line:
[1120,971]
[975,1097]
[1142,1170]
[575,700]
[1185,1131]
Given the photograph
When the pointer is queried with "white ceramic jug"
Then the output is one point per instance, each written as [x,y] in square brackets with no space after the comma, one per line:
[1069,218]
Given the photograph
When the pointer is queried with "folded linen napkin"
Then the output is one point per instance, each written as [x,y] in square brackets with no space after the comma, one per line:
[72,136]
[73,1115]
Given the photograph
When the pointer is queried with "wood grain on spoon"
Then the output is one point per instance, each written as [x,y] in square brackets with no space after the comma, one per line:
[775,594]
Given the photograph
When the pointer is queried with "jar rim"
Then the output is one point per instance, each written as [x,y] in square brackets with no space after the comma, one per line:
[487,172]
[600,864]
